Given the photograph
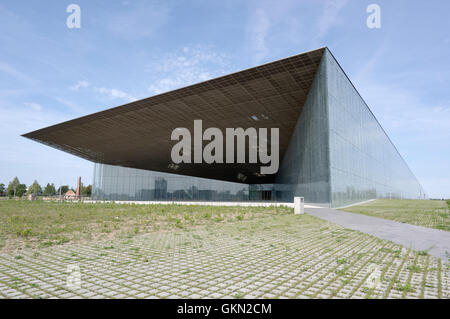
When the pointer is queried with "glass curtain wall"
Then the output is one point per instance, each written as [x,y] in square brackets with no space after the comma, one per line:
[364,163]
[123,183]
[305,168]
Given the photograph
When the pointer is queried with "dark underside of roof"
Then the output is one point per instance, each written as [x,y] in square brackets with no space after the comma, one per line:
[138,134]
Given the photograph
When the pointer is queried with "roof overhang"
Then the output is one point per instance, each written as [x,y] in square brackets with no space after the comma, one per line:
[138,134]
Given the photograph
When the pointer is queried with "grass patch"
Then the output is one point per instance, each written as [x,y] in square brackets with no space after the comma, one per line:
[341,261]
[239,295]
[406,288]
[414,268]
[33,224]
[427,213]
[422,252]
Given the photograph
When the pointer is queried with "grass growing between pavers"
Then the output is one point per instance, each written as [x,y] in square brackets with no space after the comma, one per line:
[37,224]
[277,256]
[427,213]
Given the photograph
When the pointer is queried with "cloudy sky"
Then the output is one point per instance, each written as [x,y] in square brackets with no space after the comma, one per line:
[127,50]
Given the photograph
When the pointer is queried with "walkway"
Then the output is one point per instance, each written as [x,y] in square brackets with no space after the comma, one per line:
[436,242]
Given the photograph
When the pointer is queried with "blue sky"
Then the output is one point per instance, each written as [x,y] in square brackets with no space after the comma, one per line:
[128,50]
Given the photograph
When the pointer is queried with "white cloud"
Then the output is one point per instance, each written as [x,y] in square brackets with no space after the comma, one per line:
[79,85]
[330,15]
[10,70]
[114,93]
[138,19]
[274,30]
[400,109]
[190,65]
[403,111]
[74,107]
[110,93]
[258,29]
[34,106]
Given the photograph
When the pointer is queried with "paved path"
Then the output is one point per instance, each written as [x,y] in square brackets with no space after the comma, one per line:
[437,242]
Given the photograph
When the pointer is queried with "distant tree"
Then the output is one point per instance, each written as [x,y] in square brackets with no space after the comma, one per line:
[2,189]
[21,190]
[86,190]
[15,188]
[63,189]
[35,188]
[12,187]
[50,190]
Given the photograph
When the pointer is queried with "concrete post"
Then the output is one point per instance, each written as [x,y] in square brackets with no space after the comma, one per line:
[299,205]
[78,194]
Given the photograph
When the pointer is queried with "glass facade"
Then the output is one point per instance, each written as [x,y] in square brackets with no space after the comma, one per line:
[364,163]
[338,154]
[305,168]
[123,183]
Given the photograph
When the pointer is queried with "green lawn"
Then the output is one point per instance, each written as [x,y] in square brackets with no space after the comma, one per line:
[25,224]
[427,213]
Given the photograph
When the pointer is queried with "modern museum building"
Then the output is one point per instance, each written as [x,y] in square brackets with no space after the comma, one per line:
[331,148]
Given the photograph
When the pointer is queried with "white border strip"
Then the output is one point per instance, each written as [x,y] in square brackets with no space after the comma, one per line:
[245,204]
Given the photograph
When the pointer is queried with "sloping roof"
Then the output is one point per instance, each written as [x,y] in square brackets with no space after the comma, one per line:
[138,134]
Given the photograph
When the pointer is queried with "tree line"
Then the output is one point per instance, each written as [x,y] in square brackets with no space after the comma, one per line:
[17,189]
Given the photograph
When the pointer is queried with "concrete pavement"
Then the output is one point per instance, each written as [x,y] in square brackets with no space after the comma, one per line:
[436,242]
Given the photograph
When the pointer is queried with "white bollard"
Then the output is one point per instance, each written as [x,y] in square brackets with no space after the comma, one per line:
[299,205]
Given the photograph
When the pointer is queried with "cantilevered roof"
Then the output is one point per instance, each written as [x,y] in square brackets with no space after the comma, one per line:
[138,134]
